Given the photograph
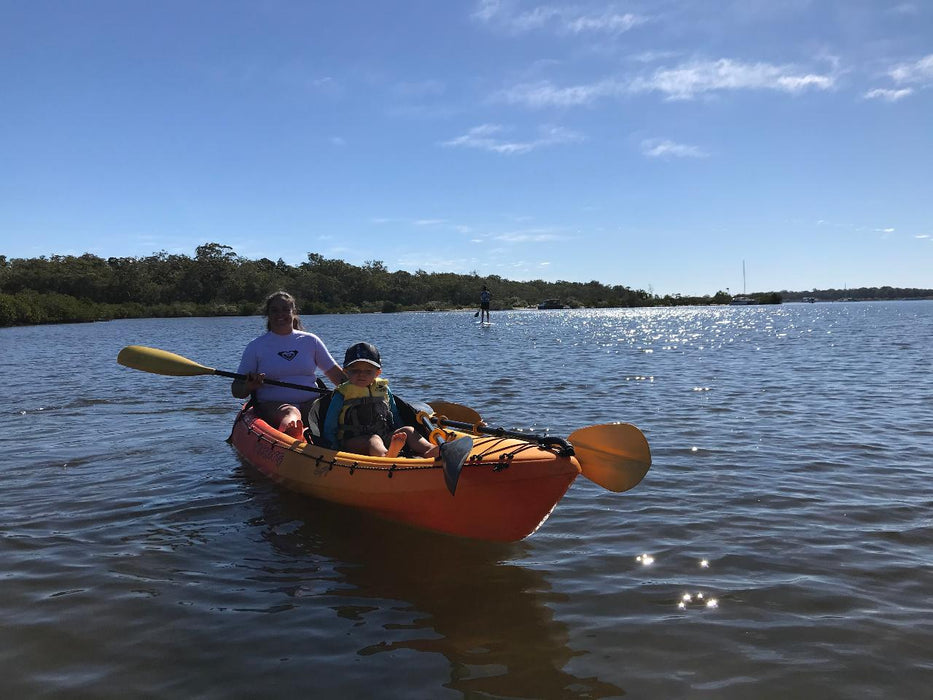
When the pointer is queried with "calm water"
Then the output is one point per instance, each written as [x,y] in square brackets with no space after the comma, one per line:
[793,455]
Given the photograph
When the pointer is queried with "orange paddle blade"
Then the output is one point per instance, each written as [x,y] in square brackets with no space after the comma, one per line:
[614,455]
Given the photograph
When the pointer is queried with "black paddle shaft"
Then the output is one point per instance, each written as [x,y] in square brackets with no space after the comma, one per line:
[565,449]
[275,382]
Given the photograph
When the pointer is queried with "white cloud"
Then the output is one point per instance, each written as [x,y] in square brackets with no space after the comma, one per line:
[487,137]
[429,222]
[610,22]
[546,94]
[888,95]
[652,56]
[419,261]
[796,83]
[552,134]
[561,19]
[920,72]
[697,77]
[536,18]
[682,82]
[664,148]
[529,236]
[917,73]
[486,10]
[499,244]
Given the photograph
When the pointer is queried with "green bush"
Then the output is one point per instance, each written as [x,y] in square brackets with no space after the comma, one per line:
[7,310]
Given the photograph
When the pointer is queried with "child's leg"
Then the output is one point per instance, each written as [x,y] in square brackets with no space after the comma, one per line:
[365,445]
[397,442]
[419,445]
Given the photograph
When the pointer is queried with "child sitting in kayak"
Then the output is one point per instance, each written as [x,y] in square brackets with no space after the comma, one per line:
[362,416]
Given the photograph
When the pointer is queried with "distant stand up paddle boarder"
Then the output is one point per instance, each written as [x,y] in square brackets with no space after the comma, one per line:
[484,297]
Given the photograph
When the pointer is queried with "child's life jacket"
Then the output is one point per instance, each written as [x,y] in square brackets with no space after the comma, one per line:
[365,411]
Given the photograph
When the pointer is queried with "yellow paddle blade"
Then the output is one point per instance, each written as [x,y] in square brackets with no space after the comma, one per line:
[160,362]
[455,411]
[615,455]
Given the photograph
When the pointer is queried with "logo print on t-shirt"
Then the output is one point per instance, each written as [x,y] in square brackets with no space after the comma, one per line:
[289,354]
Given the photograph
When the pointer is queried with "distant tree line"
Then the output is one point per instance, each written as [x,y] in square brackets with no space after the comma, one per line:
[218,282]
[859,294]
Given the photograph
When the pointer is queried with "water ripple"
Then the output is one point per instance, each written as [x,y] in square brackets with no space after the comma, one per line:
[779,546]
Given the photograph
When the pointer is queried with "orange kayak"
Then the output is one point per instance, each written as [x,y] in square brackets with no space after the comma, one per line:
[507,487]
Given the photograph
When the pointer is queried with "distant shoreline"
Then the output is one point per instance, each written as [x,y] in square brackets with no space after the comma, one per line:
[465,310]
[218,282]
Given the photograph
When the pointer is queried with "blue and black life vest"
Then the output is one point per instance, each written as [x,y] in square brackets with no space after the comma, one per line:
[365,411]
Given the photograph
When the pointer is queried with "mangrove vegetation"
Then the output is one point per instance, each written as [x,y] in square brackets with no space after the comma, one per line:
[217,281]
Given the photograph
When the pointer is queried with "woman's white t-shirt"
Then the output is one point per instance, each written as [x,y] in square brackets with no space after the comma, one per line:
[287,358]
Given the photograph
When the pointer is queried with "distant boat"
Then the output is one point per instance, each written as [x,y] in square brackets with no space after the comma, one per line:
[551,304]
[742,300]
[809,300]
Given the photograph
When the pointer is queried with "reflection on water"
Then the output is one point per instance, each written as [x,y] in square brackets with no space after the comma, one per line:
[489,618]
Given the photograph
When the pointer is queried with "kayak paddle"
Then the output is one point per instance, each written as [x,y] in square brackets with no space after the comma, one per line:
[455,411]
[614,455]
[168,363]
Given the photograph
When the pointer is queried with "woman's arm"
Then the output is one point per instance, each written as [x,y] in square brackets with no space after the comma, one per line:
[336,375]
[249,365]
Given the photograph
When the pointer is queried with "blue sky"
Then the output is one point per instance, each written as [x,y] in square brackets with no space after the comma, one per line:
[654,144]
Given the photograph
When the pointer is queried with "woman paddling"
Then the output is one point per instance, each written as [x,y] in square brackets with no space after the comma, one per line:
[287,353]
